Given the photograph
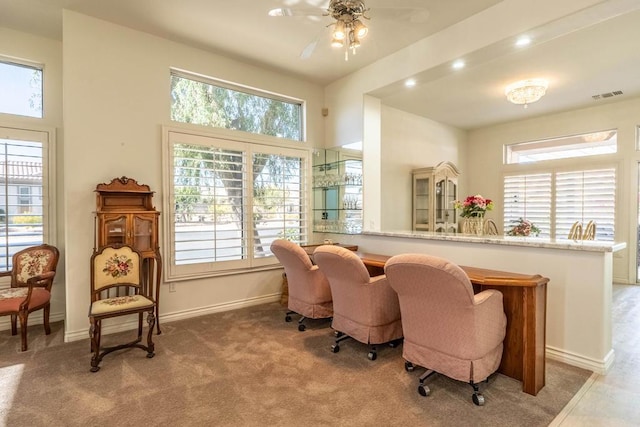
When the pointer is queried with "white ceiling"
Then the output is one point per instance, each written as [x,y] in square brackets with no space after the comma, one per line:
[579,58]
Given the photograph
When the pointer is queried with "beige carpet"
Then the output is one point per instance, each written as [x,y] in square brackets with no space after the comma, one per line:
[250,368]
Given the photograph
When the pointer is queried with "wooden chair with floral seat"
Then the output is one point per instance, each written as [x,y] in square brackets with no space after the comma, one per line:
[32,273]
[118,289]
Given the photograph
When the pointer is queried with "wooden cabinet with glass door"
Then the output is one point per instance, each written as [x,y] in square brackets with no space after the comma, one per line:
[125,215]
[434,191]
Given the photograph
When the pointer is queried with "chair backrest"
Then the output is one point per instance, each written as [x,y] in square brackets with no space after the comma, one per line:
[348,278]
[341,265]
[116,267]
[294,259]
[34,261]
[436,301]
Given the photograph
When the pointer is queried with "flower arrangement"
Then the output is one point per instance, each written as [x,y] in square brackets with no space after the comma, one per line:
[117,266]
[523,227]
[473,206]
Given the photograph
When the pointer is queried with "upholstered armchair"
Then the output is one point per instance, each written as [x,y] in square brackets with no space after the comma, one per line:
[364,308]
[309,292]
[118,289]
[447,329]
[32,273]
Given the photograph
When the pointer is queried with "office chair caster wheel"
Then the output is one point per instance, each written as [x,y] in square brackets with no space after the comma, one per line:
[372,355]
[287,318]
[408,366]
[424,390]
[338,334]
[335,348]
[395,343]
[95,368]
[301,328]
[150,355]
[478,399]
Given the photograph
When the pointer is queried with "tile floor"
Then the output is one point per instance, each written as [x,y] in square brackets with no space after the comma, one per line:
[613,399]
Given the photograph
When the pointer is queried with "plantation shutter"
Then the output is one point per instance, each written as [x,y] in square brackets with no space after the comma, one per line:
[586,196]
[528,197]
[279,199]
[208,197]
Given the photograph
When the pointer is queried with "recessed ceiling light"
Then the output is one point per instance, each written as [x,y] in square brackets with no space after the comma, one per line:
[458,64]
[523,41]
[410,83]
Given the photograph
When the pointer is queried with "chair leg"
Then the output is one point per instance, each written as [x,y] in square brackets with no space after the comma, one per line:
[151,320]
[477,397]
[45,316]
[94,334]
[23,315]
[423,389]
[14,324]
[140,326]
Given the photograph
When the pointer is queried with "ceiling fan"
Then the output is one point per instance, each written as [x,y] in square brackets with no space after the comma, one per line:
[348,28]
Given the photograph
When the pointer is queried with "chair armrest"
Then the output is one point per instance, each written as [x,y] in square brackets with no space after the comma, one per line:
[490,318]
[40,278]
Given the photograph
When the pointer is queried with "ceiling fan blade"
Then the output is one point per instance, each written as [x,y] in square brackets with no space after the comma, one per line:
[308,50]
[413,15]
[307,11]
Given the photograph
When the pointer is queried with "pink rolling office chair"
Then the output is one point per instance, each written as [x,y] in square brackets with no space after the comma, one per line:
[364,308]
[309,292]
[447,329]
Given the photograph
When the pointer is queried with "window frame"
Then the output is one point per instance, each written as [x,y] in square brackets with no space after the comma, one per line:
[34,66]
[239,141]
[247,90]
[47,136]
[563,166]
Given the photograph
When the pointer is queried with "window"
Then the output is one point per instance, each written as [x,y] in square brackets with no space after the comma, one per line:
[24,199]
[586,195]
[209,102]
[590,144]
[25,194]
[228,200]
[528,197]
[21,89]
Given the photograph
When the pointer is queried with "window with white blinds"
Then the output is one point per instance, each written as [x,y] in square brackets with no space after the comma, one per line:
[228,200]
[26,197]
[528,197]
[554,201]
[586,196]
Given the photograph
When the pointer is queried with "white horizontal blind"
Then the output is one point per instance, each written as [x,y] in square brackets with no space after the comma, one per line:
[228,200]
[279,200]
[209,187]
[528,197]
[25,194]
[586,196]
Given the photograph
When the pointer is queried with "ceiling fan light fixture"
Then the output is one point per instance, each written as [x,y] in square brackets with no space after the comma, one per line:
[335,42]
[525,92]
[339,32]
[360,29]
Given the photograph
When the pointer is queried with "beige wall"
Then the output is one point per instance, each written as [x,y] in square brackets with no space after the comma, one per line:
[116,98]
[485,169]
[411,142]
[23,46]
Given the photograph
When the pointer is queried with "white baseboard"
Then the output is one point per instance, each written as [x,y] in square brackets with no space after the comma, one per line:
[172,317]
[598,366]
[35,318]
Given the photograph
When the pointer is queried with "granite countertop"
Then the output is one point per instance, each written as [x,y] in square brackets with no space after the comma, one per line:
[536,242]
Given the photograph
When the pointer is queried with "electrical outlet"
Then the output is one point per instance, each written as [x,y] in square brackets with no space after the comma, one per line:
[172,287]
